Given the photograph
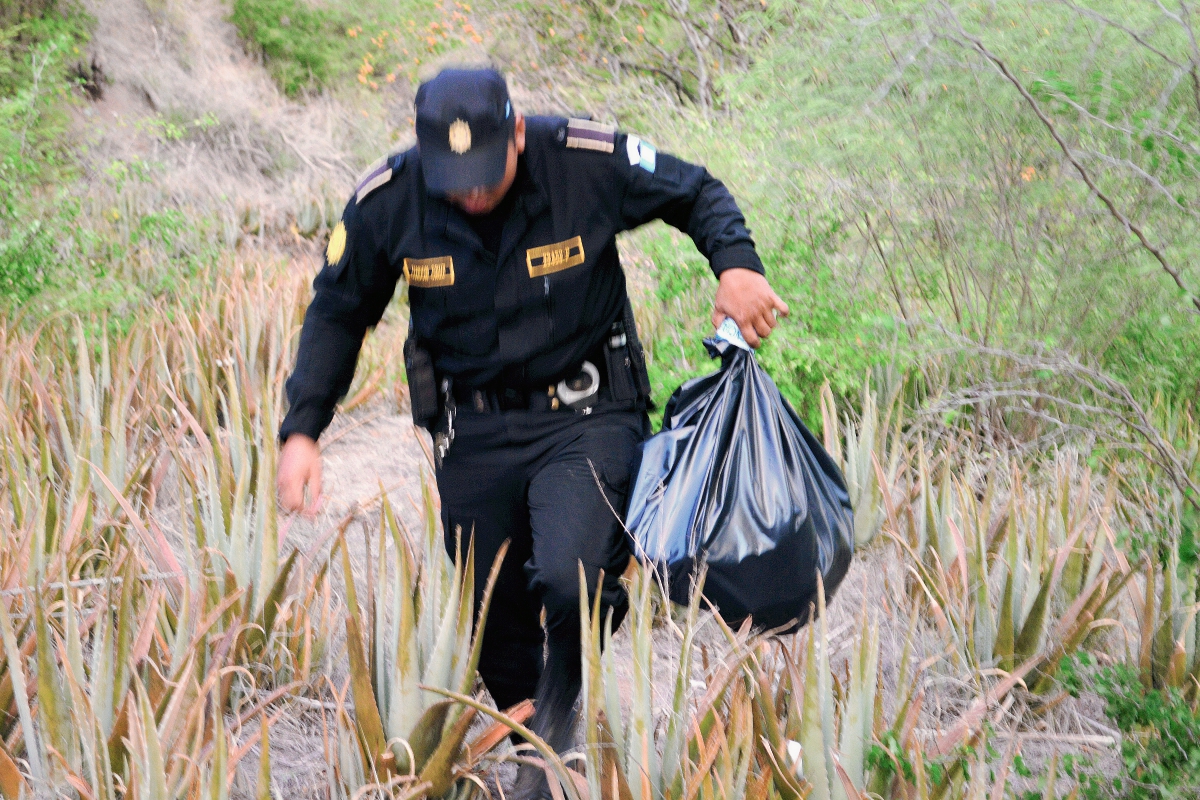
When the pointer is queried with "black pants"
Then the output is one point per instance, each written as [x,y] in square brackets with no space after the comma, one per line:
[535,478]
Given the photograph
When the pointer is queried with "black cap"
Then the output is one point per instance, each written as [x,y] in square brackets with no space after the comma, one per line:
[464,121]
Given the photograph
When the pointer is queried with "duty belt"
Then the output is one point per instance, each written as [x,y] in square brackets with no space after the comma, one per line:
[578,394]
[613,371]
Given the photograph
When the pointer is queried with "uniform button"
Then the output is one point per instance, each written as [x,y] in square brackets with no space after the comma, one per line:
[562,134]
[554,404]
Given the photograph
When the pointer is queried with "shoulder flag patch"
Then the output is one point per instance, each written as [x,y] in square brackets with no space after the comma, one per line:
[373,177]
[584,134]
[640,153]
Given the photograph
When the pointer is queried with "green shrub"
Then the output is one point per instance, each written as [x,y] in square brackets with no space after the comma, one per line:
[309,49]
[49,248]
[301,45]
[1160,748]
[955,215]
[834,333]
[38,42]
[687,47]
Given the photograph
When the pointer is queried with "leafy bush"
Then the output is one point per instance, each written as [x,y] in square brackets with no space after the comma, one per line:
[687,46]
[954,213]
[28,245]
[832,335]
[36,44]
[300,43]
[1160,751]
[46,240]
[310,49]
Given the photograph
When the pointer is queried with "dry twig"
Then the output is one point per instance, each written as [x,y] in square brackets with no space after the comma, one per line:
[1096,191]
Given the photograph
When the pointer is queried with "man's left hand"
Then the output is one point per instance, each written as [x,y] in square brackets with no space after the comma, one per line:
[747,298]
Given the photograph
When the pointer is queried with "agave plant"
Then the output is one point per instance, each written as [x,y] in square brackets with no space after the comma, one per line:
[703,745]
[223,366]
[871,458]
[68,434]
[624,748]
[1165,600]
[226,372]
[94,717]
[1164,604]
[413,632]
[1010,580]
[810,737]
[833,732]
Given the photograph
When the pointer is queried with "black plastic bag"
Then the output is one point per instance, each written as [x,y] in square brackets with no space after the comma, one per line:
[735,480]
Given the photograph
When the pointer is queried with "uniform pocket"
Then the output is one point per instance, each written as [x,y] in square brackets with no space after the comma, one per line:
[611,449]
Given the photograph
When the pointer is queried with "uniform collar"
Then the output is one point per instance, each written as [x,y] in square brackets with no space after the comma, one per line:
[443,220]
[531,202]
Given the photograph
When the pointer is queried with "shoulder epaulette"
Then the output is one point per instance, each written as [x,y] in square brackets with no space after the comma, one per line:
[377,175]
[584,134]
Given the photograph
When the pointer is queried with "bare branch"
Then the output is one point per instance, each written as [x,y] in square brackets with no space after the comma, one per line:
[902,66]
[676,81]
[1125,163]
[1132,34]
[1116,213]
[1116,405]
[1175,139]
[1185,19]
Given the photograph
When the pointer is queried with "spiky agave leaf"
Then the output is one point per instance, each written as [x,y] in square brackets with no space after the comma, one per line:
[34,753]
[812,738]
[641,751]
[263,788]
[674,740]
[12,782]
[439,661]
[555,763]
[871,458]
[148,764]
[597,733]
[404,698]
[438,769]
[428,639]
[369,723]
[856,722]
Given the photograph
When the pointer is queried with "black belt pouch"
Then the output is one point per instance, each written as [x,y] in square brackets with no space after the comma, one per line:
[620,366]
[637,357]
[627,376]
[422,383]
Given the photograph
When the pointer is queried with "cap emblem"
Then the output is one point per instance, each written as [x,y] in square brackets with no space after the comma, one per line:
[460,136]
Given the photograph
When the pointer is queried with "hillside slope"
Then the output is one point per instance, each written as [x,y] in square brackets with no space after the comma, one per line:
[210,128]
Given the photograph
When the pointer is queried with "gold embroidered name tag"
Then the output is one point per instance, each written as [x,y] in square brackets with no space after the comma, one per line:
[429,273]
[554,257]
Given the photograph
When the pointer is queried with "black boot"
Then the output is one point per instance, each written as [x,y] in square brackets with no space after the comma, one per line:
[554,717]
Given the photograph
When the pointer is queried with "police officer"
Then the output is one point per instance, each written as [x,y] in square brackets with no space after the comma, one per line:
[522,355]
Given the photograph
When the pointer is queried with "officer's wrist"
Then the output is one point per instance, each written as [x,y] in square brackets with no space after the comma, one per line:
[735,273]
[298,439]
[739,256]
[304,420]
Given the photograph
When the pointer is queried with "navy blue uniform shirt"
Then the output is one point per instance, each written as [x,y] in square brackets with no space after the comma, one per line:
[527,314]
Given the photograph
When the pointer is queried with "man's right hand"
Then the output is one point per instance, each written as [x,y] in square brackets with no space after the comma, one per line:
[299,468]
